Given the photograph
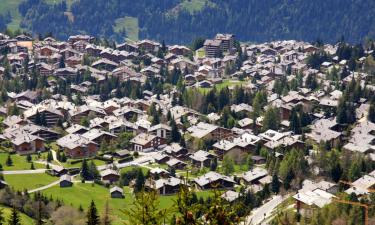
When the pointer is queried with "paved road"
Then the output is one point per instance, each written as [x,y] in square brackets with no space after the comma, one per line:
[9,172]
[260,214]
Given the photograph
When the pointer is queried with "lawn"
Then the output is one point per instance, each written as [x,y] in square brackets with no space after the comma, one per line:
[129,168]
[68,163]
[24,219]
[29,181]
[19,162]
[225,83]
[82,194]
[130,25]
[193,6]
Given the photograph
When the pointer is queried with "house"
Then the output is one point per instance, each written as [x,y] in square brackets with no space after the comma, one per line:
[208,131]
[226,41]
[65,181]
[77,146]
[23,142]
[230,195]
[161,130]
[201,158]
[116,192]
[109,176]
[308,201]
[146,142]
[176,164]
[156,173]
[165,186]
[321,130]
[49,114]
[122,154]
[214,180]
[362,185]
[161,158]
[58,170]
[175,150]
[254,175]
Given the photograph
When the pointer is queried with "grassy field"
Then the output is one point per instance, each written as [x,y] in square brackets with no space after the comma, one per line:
[19,162]
[24,219]
[130,25]
[68,164]
[225,83]
[82,194]
[194,6]
[29,181]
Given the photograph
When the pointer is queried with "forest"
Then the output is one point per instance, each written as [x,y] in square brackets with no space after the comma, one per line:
[249,20]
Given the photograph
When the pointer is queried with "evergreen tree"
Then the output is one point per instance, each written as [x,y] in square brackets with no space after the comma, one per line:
[228,165]
[295,123]
[14,218]
[28,158]
[85,173]
[32,167]
[49,156]
[9,161]
[92,215]
[175,134]
[140,181]
[275,184]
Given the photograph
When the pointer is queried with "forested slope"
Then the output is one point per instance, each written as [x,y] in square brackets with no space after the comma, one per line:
[180,21]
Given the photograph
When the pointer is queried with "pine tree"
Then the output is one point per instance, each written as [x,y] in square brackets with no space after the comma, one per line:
[275,185]
[9,161]
[175,134]
[92,215]
[295,123]
[32,167]
[14,218]
[28,158]
[140,181]
[85,174]
[49,156]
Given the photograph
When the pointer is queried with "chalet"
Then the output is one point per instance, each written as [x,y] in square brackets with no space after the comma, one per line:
[109,176]
[165,186]
[98,136]
[161,158]
[105,64]
[209,132]
[128,47]
[49,114]
[230,196]
[254,175]
[176,164]
[161,130]
[321,130]
[75,38]
[25,143]
[362,185]
[148,46]
[212,180]
[201,158]
[78,113]
[179,50]
[76,129]
[156,173]
[76,146]
[65,181]
[58,170]
[65,72]
[175,150]
[146,142]
[122,154]
[116,192]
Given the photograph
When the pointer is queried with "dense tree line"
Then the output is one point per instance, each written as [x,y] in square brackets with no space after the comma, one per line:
[166,20]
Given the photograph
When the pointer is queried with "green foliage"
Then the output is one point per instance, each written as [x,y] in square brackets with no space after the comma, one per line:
[14,217]
[92,215]
[271,119]
[228,165]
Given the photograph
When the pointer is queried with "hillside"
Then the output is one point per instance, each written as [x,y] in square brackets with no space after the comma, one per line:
[179,21]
